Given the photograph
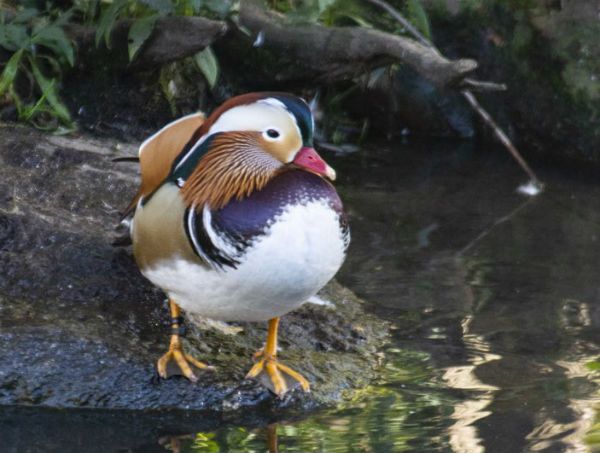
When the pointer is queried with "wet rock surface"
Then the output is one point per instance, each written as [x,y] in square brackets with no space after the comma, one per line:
[81,328]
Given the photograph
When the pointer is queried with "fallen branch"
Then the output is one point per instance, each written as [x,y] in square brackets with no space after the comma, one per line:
[467,94]
[334,53]
[173,38]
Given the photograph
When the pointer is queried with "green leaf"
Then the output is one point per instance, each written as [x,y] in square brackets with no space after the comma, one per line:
[188,7]
[139,32]
[208,65]
[418,17]
[244,30]
[10,71]
[325,4]
[307,13]
[55,39]
[107,21]
[163,7]
[195,5]
[16,99]
[49,91]
[14,37]
[89,9]
[25,16]
[65,17]
[28,112]
[219,7]
[358,20]
[53,64]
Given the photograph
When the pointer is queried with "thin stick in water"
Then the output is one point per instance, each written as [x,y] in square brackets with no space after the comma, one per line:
[468,95]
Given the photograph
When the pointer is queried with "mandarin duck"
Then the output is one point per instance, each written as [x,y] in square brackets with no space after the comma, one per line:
[236,219]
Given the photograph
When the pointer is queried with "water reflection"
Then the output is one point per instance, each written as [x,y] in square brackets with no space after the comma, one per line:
[502,320]
[260,439]
[463,434]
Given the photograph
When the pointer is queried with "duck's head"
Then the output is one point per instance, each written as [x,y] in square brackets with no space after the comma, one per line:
[278,124]
[244,143]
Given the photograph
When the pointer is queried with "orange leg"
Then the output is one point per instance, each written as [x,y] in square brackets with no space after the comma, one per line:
[268,366]
[176,353]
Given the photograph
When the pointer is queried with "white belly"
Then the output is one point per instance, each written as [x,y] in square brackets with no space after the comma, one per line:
[300,253]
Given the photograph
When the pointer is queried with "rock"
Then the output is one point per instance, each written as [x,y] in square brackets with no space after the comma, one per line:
[80,326]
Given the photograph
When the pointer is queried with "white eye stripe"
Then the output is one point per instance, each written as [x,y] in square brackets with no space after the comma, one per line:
[259,116]
[274,102]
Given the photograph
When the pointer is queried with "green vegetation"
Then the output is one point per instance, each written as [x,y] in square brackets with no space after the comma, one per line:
[146,13]
[354,12]
[40,52]
[37,50]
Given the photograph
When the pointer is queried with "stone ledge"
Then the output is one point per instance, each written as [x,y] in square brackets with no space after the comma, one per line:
[83,328]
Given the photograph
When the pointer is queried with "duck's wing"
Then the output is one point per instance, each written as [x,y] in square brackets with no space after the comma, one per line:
[158,152]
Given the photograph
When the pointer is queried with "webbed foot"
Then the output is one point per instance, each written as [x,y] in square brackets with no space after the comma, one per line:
[276,376]
[175,361]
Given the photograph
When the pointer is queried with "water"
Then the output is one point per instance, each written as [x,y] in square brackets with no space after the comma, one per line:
[495,304]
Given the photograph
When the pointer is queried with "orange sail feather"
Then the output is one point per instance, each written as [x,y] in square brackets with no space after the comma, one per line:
[158,152]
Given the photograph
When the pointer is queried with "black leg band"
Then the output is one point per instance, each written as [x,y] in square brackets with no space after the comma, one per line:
[179,330]
[177,320]
[177,326]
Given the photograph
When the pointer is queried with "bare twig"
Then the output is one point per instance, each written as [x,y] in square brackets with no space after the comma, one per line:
[501,136]
[468,95]
[405,23]
[480,85]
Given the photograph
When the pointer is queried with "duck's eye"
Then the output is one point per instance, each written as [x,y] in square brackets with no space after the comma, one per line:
[272,133]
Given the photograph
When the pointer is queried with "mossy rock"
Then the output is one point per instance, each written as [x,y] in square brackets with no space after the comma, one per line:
[83,328]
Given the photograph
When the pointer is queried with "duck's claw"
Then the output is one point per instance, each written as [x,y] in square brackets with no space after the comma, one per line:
[176,362]
[276,376]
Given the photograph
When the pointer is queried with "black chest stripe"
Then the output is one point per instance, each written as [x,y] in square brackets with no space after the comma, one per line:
[202,245]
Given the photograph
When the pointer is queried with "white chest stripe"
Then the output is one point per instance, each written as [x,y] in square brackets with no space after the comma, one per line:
[191,230]
[217,240]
